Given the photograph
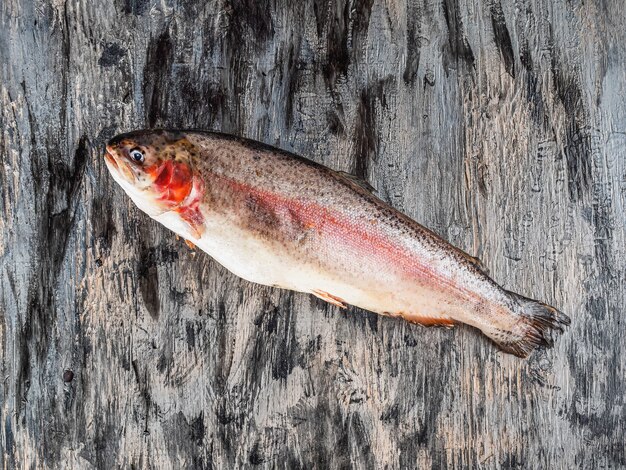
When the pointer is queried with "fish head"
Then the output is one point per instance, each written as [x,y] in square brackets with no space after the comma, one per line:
[154,167]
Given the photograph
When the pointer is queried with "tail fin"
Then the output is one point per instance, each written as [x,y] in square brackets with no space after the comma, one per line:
[534,329]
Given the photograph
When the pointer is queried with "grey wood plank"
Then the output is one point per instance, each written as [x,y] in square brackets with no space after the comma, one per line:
[500,124]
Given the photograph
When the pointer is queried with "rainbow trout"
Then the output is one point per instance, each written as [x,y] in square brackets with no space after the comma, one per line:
[278,219]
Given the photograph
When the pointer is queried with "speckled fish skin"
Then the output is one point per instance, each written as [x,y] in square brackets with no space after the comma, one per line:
[278,219]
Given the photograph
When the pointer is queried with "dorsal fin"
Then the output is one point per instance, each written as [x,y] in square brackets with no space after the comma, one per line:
[356,180]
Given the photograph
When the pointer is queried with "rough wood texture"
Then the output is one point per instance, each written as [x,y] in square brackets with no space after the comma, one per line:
[500,124]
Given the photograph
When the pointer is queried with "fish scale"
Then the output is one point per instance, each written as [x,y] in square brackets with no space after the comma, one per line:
[278,219]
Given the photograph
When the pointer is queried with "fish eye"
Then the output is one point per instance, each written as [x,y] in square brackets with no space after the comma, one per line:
[137,155]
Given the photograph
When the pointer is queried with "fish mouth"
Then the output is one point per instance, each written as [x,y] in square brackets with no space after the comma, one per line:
[121,168]
[110,159]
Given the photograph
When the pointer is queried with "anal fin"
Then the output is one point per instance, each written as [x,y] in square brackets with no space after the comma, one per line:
[427,320]
[331,299]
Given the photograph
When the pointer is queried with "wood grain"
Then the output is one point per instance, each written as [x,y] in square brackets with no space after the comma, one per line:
[500,124]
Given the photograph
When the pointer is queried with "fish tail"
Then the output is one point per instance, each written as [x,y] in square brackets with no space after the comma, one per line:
[535,324]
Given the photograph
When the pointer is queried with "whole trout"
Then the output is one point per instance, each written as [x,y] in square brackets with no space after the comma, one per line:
[278,219]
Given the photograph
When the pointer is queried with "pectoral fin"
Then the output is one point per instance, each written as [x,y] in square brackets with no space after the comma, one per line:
[194,219]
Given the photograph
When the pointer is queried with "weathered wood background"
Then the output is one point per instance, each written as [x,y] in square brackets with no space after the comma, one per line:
[500,124]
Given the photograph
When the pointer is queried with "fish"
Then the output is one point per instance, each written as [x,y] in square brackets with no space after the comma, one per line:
[278,219]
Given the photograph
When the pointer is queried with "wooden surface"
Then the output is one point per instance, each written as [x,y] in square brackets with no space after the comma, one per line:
[500,124]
